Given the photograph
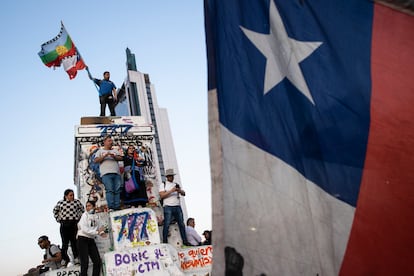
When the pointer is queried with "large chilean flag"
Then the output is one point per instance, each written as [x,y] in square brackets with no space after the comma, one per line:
[311,108]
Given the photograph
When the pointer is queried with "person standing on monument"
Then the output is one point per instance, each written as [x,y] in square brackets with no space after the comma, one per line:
[170,193]
[108,158]
[107,93]
[89,229]
[134,163]
[68,212]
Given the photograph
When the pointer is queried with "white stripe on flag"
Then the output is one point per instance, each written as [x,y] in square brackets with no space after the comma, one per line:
[281,223]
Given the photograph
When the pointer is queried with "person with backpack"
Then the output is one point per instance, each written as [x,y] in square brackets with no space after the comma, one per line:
[52,257]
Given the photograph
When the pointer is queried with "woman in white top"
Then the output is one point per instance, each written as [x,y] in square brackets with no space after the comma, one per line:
[88,229]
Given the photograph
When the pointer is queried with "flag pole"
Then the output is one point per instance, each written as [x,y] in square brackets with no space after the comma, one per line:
[77,51]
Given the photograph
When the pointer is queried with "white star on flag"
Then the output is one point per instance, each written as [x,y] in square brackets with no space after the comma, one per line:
[283,54]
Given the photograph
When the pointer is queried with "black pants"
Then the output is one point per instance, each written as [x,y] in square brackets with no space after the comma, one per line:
[107,99]
[87,248]
[68,230]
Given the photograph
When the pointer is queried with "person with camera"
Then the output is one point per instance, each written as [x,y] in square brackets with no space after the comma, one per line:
[170,193]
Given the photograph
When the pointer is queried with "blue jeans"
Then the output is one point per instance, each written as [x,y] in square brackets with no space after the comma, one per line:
[177,213]
[112,183]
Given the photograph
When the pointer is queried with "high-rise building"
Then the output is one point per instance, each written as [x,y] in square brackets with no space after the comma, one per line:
[137,97]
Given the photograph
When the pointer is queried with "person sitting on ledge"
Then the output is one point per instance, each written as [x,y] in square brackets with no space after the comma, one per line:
[52,257]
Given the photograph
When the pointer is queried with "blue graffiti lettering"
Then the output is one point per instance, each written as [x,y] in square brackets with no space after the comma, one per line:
[148,266]
[134,221]
[114,129]
[134,257]
[118,259]
[158,253]
[126,259]
[143,255]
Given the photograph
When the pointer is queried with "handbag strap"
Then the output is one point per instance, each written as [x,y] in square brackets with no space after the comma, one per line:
[133,174]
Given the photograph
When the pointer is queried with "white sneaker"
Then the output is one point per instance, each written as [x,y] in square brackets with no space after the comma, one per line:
[76,261]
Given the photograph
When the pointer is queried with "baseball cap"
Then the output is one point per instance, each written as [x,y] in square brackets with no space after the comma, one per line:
[42,238]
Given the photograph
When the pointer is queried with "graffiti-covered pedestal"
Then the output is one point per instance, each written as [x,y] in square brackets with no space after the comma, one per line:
[133,245]
[125,131]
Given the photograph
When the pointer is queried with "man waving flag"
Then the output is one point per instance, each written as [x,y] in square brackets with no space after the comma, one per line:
[311,137]
[62,50]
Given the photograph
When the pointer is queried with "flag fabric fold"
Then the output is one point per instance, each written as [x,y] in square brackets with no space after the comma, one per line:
[72,64]
[310,176]
[61,50]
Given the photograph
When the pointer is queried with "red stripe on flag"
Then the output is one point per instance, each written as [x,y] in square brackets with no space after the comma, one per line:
[382,236]
[80,64]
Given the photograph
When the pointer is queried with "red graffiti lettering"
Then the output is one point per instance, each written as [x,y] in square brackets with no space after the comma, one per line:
[196,263]
[206,250]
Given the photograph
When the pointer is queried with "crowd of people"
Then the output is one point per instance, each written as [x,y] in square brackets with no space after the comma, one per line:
[79,225]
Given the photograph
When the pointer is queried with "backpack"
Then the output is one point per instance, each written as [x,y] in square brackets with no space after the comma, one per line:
[162,200]
[50,252]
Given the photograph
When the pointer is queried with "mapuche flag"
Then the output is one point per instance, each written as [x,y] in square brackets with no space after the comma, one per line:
[62,50]
[311,137]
